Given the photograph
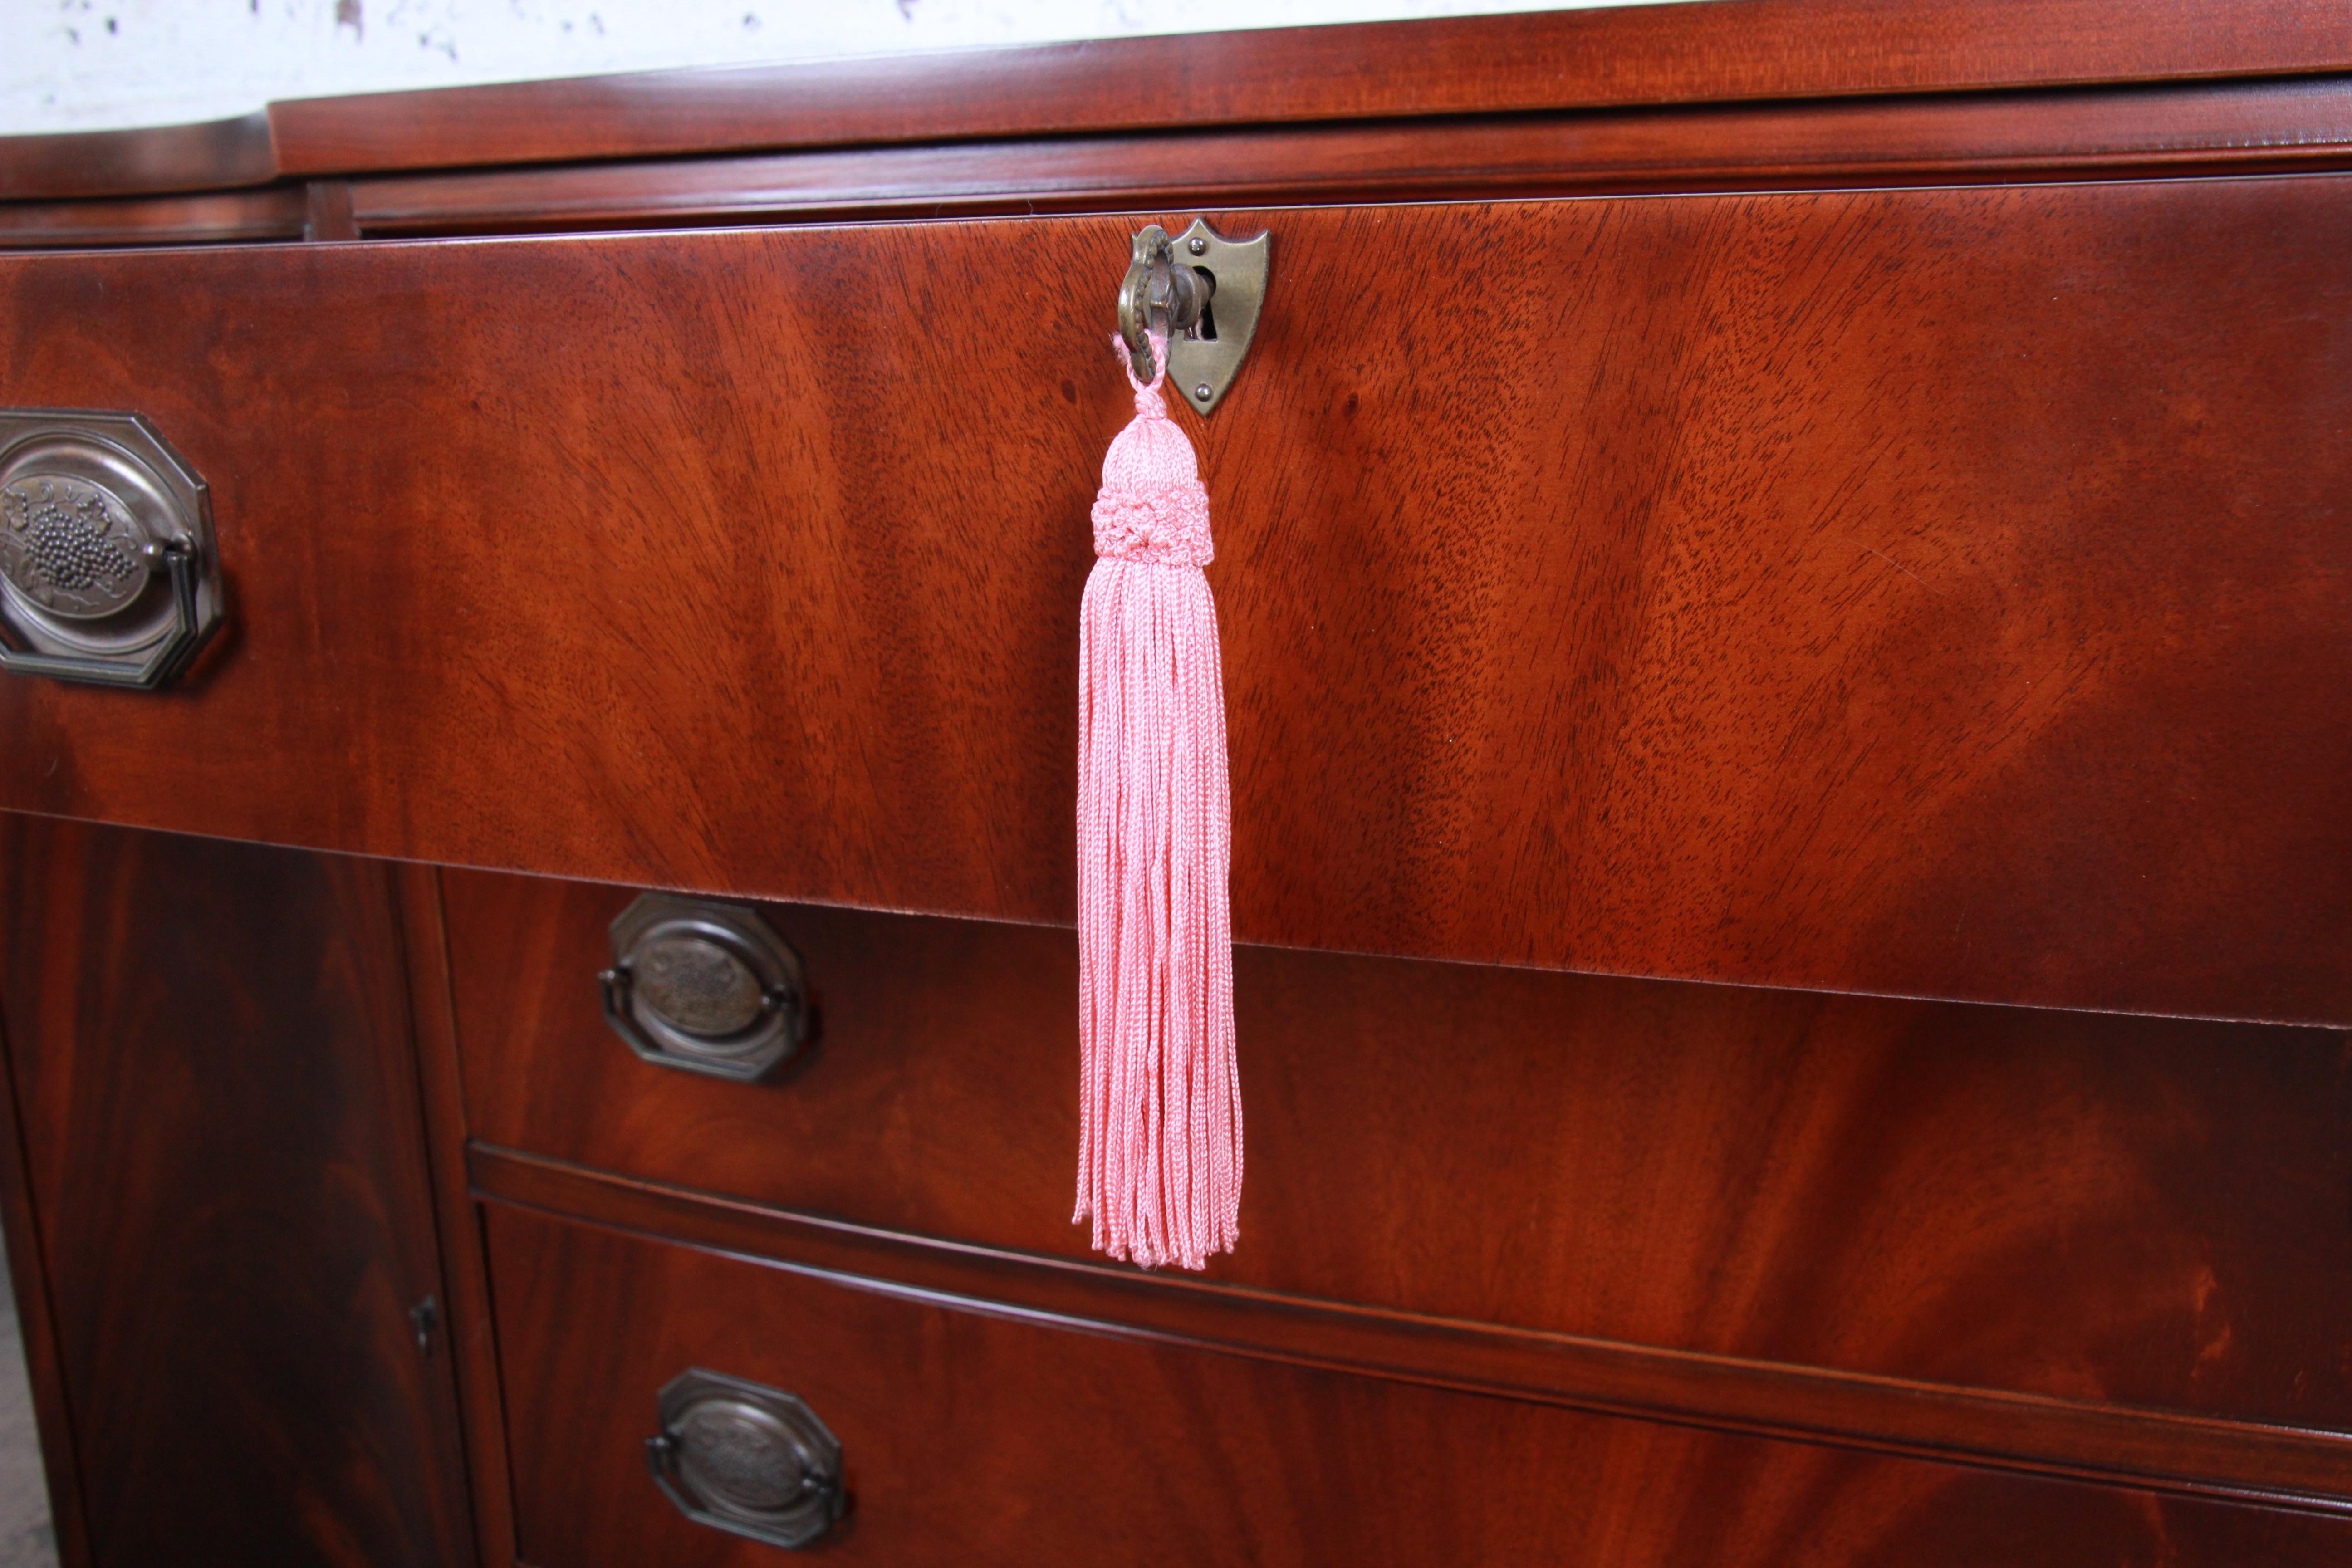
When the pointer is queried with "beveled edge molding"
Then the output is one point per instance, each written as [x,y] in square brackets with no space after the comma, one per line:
[2079,133]
[2127,1445]
[2084,134]
[2091,133]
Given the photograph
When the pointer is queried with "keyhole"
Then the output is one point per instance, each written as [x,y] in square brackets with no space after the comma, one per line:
[1205,330]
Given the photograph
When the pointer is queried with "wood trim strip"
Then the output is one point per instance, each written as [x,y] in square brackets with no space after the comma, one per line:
[2085,133]
[471,1328]
[232,217]
[1723,51]
[327,211]
[403,1078]
[37,1320]
[2183,1454]
[2088,133]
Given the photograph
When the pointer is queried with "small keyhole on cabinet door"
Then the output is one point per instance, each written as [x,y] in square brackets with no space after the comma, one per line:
[1205,330]
[424,1317]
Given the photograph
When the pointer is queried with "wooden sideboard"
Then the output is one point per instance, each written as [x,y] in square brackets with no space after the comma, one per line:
[1783,570]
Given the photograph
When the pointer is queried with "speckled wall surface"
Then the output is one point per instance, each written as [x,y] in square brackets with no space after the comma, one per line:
[77,65]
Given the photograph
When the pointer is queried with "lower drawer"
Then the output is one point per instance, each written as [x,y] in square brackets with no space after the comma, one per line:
[971,1439]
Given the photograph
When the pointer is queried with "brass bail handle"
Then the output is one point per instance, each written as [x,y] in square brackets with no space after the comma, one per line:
[1200,290]
[1158,295]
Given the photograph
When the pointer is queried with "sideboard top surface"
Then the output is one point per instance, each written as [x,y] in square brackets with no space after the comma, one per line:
[1721,52]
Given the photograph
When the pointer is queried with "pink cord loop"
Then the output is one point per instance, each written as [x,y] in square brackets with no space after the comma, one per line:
[1159,341]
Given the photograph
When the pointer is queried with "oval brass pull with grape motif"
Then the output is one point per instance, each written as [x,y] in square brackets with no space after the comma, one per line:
[107,571]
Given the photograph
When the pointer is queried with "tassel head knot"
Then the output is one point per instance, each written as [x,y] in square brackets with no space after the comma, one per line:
[1152,506]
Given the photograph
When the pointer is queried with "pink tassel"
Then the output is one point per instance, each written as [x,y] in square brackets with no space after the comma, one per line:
[1159,1150]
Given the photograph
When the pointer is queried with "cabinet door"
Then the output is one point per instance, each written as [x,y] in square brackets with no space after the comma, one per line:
[226,1201]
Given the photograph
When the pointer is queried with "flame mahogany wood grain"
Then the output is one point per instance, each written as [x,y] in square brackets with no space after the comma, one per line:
[1935,592]
[218,1102]
[2033,1434]
[969,1438]
[2162,131]
[2148,1212]
[1731,50]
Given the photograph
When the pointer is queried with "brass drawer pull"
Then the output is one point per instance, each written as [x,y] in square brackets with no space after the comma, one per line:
[108,572]
[750,1460]
[706,986]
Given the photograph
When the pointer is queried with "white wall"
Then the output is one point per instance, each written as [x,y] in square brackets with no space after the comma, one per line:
[76,65]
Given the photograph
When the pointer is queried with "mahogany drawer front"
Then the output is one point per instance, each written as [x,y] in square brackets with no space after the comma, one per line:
[2148,1212]
[968,1439]
[1929,591]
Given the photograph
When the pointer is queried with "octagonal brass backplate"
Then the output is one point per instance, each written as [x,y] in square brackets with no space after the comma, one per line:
[746,1458]
[107,570]
[704,986]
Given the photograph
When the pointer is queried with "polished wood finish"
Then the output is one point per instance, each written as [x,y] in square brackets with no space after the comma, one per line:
[2137,1210]
[1933,592]
[472,1333]
[1930,592]
[219,1112]
[327,211]
[230,217]
[2036,1433]
[1731,50]
[969,1438]
[217,156]
[2246,126]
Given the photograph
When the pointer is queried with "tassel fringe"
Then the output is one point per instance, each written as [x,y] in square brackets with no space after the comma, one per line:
[1160,1158]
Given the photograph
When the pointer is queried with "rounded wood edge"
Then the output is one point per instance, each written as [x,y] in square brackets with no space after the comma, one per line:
[214,155]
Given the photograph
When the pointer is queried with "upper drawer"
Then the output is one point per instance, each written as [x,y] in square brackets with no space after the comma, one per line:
[1935,591]
[2127,1211]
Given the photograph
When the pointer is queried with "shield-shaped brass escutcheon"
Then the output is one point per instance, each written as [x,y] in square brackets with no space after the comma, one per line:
[1204,291]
